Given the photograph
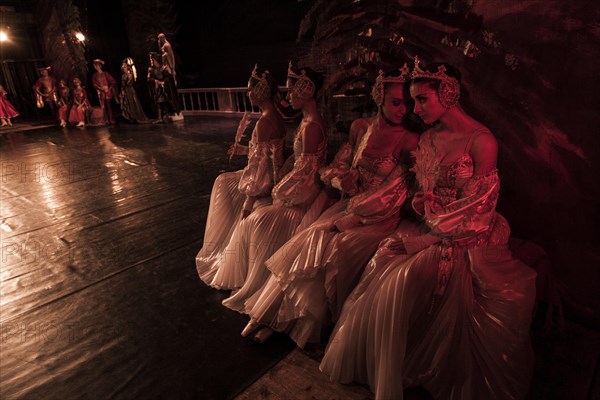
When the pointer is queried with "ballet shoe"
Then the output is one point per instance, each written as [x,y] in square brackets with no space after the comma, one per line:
[263,335]
[250,328]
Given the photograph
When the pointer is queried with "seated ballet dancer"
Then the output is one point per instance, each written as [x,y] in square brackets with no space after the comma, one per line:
[298,199]
[314,271]
[447,307]
[236,194]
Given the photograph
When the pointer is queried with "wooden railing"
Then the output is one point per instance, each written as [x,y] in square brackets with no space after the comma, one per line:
[215,101]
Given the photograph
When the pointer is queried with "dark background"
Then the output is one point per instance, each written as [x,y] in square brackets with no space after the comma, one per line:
[216,43]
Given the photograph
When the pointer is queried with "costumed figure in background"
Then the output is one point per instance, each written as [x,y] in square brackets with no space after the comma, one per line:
[7,111]
[45,90]
[63,103]
[314,272]
[106,87]
[80,105]
[162,88]
[131,109]
[236,194]
[448,309]
[168,63]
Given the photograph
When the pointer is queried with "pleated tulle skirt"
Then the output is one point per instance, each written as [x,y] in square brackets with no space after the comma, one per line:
[313,273]
[224,215]
[255,240]
[471,342]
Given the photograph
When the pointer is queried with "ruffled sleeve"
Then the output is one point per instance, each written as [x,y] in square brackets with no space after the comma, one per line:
[301,184]
[470,215]
[339,173]
[385,201]
[258,176]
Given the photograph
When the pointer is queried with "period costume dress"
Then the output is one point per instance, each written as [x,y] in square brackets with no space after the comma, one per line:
[131,109]
[64,104]
[229,193]
[163,91]
[453,317]
[315,270]
[80,106]
[299,199]
[45,92]
[106,88]
[6,108]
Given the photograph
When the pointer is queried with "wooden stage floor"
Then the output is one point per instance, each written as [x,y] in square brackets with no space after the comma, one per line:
[99,295]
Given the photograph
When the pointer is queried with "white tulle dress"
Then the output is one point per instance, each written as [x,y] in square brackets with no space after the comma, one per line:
[299,199]
[314,271]
[453,317]
[230,191]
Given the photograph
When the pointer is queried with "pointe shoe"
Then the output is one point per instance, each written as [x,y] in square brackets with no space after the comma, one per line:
[8,122]
[4,123]
[63,123]
[252,326]
[263,335]
[81,123]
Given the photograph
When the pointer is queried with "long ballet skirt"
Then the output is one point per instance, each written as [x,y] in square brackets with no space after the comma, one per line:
[299,200]
[6,108]
[229,193]
[453,317]
[314,271]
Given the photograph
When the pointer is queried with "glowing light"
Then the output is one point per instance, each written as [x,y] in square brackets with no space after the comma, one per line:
[3,36]
[80,36]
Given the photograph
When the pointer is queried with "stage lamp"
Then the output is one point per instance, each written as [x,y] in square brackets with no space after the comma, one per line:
[80,36]
[3,36]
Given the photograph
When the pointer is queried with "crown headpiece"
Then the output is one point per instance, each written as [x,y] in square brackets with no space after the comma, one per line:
[304,87]
[448,89]
[377,93]
[261,90]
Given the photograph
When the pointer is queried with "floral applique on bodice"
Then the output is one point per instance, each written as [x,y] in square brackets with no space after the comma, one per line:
[458,204]
[444,181]
[373,171]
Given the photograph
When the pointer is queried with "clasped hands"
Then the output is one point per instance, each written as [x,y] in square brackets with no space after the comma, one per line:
[409,244]
[346,182]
